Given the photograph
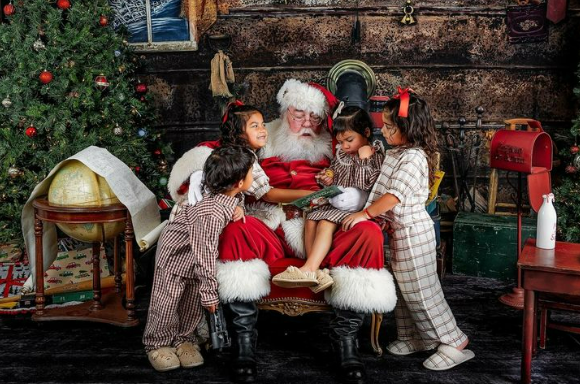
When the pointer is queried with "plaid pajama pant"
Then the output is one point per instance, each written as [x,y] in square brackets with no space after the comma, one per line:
[174,312]
[422,313]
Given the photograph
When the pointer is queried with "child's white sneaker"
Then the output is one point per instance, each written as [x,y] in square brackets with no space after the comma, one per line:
[163,359]
[189,355]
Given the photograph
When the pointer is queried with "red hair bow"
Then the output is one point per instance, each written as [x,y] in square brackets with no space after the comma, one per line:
[403,95]
[236,103]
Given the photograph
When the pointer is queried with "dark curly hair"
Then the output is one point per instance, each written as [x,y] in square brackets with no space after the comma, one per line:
[226,166]
[232,128]
[353,119]
[418,128]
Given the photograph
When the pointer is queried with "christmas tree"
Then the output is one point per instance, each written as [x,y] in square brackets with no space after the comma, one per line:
[68,81]
[568,192]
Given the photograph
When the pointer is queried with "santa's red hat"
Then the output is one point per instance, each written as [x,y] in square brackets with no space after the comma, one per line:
[310,97]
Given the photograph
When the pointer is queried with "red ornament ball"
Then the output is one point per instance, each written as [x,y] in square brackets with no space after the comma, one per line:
[45,77]
[571,169]
[157,152]
[9,9]
[137,169]
[141,88]
[101,82]
[103,21]
[63,4]
[31,131]
[574,149]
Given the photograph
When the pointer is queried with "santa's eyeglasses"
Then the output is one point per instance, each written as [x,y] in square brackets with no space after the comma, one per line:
[301,117]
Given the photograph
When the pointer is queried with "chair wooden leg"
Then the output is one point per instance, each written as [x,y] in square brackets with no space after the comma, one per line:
[543,326]
[376,321]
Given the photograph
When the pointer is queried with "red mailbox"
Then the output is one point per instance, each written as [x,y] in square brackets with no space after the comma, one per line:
[528,151]
[521,151]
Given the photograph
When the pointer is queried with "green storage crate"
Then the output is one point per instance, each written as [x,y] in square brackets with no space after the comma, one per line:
[485,245]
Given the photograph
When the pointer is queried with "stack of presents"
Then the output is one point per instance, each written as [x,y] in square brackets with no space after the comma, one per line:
[63,281]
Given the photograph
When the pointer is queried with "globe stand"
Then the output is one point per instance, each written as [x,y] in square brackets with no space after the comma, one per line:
[103,308]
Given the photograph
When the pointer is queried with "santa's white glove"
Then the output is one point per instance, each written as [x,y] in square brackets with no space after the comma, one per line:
[194,194]
[350,200]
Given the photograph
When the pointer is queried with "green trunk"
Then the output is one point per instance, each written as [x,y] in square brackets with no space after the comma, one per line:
[485,245]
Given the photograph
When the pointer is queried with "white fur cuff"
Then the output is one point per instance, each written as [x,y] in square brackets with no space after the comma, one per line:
[294,235]
[362,290]
[242,280]
[269,214]
[191,161]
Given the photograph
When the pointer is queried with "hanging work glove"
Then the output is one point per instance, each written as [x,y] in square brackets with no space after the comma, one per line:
[350,200]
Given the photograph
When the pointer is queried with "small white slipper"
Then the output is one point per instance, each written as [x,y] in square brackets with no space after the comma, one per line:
[407,347]
[447,357]
[324,281]
[163,359]
[189,355]
[293,277]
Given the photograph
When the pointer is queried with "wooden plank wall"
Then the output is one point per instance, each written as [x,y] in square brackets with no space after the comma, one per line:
[457,56]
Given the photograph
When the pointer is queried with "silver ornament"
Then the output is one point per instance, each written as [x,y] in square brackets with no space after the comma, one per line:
[7,102]
[14,172]
[576,161]
[38,45]
[118,131]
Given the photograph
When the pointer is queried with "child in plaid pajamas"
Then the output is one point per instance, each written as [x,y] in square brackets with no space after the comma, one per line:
[185,280]
[423,317]
[356,164]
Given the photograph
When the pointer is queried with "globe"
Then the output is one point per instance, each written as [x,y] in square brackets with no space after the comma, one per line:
[76,185]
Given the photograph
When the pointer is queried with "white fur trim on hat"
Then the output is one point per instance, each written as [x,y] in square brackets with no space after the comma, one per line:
[270,214]
[242,280]
[302,96]
[362,290]
[294,235]
[191,161]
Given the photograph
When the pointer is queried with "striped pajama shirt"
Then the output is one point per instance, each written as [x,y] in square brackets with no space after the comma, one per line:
[422,313]
[185,278]
[350,171]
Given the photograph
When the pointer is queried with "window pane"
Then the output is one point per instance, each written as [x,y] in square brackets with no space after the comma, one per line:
[166,22]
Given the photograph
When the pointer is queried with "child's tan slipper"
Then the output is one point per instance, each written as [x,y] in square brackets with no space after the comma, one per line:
[163,359]
[189,355]
[293,277]
[324,281]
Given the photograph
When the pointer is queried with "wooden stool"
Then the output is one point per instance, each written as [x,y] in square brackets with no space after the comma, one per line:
[105,309]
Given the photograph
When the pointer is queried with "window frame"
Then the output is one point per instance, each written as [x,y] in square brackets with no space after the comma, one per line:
[165,46]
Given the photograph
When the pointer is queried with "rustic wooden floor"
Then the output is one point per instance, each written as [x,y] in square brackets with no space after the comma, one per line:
[291,350]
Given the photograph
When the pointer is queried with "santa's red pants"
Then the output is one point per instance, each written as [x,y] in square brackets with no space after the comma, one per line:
[362,246]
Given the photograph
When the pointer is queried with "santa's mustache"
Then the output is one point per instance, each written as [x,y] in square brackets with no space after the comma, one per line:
[306,131]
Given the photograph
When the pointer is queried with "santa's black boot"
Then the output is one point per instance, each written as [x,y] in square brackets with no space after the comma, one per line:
[343,332]
[243,320]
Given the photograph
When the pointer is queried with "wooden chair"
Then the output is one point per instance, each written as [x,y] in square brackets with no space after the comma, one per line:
[548,302]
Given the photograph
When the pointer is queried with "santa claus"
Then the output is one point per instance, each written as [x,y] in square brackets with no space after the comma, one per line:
[299,147]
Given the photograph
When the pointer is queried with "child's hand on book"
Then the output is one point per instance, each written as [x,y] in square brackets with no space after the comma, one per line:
[239,214]
[325,177]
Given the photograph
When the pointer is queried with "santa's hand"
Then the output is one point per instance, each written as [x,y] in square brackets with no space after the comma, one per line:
[350,200]
[194,195]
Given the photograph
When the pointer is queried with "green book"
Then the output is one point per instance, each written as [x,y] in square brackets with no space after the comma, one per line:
[328,192]
[72,296]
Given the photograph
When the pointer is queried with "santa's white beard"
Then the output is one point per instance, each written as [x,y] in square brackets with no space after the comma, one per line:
[289,146]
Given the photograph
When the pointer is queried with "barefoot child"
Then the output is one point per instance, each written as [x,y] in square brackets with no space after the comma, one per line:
[185,281]
[423,317]
[356,164]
